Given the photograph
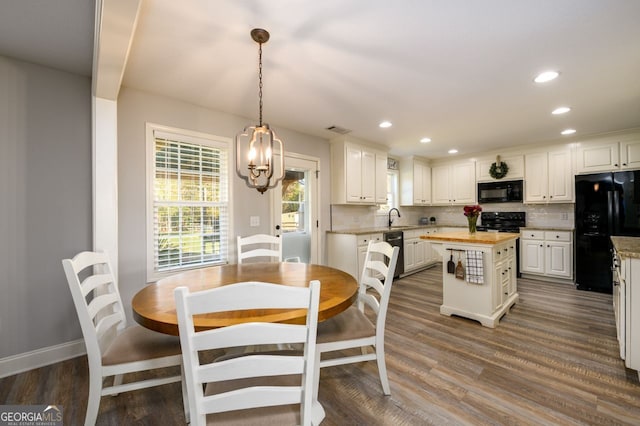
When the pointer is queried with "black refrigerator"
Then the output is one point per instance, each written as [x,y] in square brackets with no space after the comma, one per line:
[606,204]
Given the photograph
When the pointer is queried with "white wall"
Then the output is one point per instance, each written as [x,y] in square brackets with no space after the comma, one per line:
[45,201]
[134,109]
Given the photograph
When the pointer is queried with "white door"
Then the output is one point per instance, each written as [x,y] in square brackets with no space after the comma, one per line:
[295,210]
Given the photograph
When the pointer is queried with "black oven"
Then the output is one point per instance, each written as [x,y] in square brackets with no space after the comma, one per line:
[500,192]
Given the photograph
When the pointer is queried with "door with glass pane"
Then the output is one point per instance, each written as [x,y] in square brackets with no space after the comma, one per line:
[295,206]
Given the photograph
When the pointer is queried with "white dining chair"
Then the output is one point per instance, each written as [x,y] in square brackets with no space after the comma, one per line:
[260,245]
[352,328]
[113,349]
[254,388]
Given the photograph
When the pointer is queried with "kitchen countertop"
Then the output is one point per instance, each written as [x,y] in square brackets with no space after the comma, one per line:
[627,247]
[378,230]
[477,238]
[545,228]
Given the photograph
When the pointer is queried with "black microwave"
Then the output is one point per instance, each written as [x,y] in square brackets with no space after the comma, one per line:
[500,192]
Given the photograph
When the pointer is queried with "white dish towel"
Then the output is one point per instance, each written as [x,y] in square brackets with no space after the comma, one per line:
[475,268]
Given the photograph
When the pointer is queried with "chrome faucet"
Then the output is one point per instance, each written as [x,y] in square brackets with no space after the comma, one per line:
[391,220]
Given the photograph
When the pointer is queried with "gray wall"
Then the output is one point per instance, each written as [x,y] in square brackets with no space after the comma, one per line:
[45,201]
[135,108]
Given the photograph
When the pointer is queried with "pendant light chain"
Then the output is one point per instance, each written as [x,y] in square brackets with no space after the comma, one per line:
[260,79]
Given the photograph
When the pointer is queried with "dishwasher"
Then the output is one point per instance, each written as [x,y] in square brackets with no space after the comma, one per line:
[396,239]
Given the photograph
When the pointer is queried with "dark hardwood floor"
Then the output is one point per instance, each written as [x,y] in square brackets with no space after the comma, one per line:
[554,359]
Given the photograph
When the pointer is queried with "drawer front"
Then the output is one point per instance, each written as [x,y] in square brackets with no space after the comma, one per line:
[532,235]
[557,236]
[364,239]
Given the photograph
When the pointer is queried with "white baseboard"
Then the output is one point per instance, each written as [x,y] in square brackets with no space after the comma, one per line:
[40,357]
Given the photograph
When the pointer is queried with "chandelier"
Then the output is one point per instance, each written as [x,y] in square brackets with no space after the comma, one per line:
[255,144]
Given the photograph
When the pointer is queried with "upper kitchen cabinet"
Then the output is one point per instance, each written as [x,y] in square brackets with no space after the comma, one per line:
[453,183]
[608,155]
[358,174]
[515,164]
[548,177]
[415,182]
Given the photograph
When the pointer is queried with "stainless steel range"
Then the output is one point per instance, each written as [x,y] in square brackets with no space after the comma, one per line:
[504,222]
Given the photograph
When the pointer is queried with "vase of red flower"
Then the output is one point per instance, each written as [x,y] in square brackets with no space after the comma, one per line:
[472,213]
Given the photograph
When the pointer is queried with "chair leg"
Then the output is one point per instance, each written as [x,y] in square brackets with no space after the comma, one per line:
[93,403]
[185,398]
[382,369]
[117,381]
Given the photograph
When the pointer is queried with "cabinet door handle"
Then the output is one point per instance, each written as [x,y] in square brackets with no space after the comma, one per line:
[616,283]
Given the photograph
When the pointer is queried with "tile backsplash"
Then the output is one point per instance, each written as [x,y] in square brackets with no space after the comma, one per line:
[345,217]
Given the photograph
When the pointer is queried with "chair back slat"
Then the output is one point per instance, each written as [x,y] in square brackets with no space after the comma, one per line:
[96,282]
[250,366]
[105,304]
[256,295]
[259,245]
[263,396]
[256,333]
[249,295]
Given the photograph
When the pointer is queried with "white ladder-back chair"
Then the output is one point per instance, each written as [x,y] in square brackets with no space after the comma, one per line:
[256,246]
[269,388]
[112,348]
[352,328]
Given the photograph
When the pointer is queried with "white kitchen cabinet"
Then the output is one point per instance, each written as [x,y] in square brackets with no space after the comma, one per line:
[415,182]
[608,155]
[381,178]
[547,253]
[347,251]
[418,253]
[626,307]
[454,183]
[515,164]
[548,177]
[352,169]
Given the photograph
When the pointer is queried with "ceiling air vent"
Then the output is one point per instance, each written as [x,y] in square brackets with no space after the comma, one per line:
[338,129]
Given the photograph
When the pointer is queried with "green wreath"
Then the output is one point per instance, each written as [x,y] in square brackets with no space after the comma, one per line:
[498,172]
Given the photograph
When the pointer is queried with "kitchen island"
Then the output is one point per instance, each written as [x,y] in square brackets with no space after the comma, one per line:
[483,283]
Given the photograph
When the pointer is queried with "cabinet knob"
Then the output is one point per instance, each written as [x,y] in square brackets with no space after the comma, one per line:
[544,196]
[616,283]
[557,236]
[541,245]
[550,196]
[548,245]
[616,164]
[624,164]
[498,252]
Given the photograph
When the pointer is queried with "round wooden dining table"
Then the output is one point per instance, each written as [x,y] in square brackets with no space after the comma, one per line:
[154,305]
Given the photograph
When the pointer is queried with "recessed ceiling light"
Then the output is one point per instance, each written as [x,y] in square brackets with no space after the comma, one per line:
[546,76]
[385,124]
[453,151]
[560,110]
[425,140]
[568,131]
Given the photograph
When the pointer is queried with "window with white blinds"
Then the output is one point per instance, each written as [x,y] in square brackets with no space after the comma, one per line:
[189,201]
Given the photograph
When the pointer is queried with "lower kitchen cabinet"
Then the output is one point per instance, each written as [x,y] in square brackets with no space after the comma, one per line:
[418,253]
[546,253]
[347,251]
[626,306]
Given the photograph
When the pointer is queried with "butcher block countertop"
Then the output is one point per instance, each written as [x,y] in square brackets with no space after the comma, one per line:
[628,247]
[466,237]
